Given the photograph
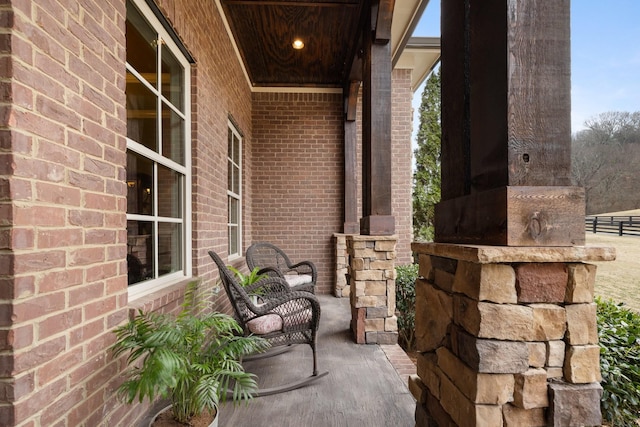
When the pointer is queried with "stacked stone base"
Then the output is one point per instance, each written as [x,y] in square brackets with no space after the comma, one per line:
[341,286]
[507,336]
[372,291]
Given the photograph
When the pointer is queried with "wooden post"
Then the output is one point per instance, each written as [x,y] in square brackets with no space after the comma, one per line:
[376,128]
[506,112]
[351,224]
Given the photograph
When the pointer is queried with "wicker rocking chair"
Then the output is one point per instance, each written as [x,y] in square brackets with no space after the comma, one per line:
[284,317]
[274,262]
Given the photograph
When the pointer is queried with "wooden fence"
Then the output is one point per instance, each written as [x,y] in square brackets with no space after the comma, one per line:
[620,225]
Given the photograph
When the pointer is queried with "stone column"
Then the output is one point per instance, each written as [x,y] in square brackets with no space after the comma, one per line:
[341,285]
[372,292]
[507,336]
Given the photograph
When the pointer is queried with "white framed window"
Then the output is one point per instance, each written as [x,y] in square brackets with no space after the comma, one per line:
[158,154]
[234,191]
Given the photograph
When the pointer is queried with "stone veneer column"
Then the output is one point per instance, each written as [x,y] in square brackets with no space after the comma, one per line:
[341,285]
[372,278]
[507,336]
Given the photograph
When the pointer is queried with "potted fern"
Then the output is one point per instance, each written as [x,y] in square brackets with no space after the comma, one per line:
[192,358]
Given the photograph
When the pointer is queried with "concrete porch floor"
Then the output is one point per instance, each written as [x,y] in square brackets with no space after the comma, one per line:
[366,384]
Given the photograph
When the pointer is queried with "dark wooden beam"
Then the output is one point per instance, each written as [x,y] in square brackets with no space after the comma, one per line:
[383,19]
[351,100]
[506,112]
[376,138]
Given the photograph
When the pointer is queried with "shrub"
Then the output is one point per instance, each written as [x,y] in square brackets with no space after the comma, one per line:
[406,276]
[619,333]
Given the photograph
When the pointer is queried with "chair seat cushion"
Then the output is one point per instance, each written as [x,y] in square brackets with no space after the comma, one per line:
[298,279]
[265,324]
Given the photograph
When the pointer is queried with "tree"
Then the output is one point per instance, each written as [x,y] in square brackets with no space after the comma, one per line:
[604,158]
[426,177]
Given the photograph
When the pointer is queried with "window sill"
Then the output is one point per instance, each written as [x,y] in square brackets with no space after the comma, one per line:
[166,299]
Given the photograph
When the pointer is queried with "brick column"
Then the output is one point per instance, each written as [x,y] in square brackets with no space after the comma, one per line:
[507,336]
[372,292]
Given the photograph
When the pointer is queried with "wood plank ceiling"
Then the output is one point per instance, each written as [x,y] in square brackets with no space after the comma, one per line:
[264,31]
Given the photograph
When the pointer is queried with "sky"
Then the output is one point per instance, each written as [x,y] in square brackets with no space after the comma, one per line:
[605,56]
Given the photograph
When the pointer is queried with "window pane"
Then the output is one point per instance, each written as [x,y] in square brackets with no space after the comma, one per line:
[229,175]
[141,113]
[139,251]
[236,150]
[233,211]
[169,193]
[236,180]
[169,248]
[172,135]
[230,144]
[233,240]
[139,184]
[172,79]
[141,45]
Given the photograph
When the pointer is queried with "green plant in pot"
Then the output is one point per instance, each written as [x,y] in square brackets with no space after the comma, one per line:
[192,358]
[246,280]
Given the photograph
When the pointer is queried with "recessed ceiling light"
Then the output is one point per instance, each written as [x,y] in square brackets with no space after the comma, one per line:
[297,44]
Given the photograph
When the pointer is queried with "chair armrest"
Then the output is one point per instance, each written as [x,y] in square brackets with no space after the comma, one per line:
[268,286]
[270,271]
[305,267]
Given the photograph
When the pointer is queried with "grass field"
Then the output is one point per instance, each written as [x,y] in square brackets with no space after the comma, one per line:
[619,280]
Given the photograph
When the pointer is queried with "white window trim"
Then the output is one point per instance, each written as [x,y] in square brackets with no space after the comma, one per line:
[144,288]
[232,127]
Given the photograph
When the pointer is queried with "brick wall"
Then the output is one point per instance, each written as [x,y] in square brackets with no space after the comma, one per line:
[297,166]
[63,230]
[401,126]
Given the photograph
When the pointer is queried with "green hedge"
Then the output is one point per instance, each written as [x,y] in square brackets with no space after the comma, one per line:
[406,276]
[619,333]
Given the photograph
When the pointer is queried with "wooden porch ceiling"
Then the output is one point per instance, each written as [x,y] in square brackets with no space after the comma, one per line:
[264,31]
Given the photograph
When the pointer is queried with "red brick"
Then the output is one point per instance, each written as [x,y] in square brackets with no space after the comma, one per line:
[60,366]
[39,261]
[55,280]
[39,355]
[59,323]
[86,256]
[57,238]
[35,307]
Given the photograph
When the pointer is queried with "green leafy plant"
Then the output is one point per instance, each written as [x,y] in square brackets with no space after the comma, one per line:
[193,358]
[406,276]
[619,334]
[247,279]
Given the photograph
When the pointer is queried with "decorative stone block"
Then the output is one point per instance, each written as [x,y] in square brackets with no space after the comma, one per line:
[376,312]
[574,405]
[438,417]
[486,282]
[378,287]
[386,338]
[382,265]
[417,389]
[518,417]
[490,356]
[391,324]
[478,387]
[428,370]
[443,280]
[385,245]
[555,354]
[549,322]
[582,279]
[582,325]
[374,325]
[582,364]
[530,389]
[434,314]
[425,268]
[357,264]
[464,412]
[554,373]
[541,282]
[537,354]
[368,275]
[487,320]
[357,324]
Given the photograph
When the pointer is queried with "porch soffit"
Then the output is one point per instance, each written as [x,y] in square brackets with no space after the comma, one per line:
[263,31]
